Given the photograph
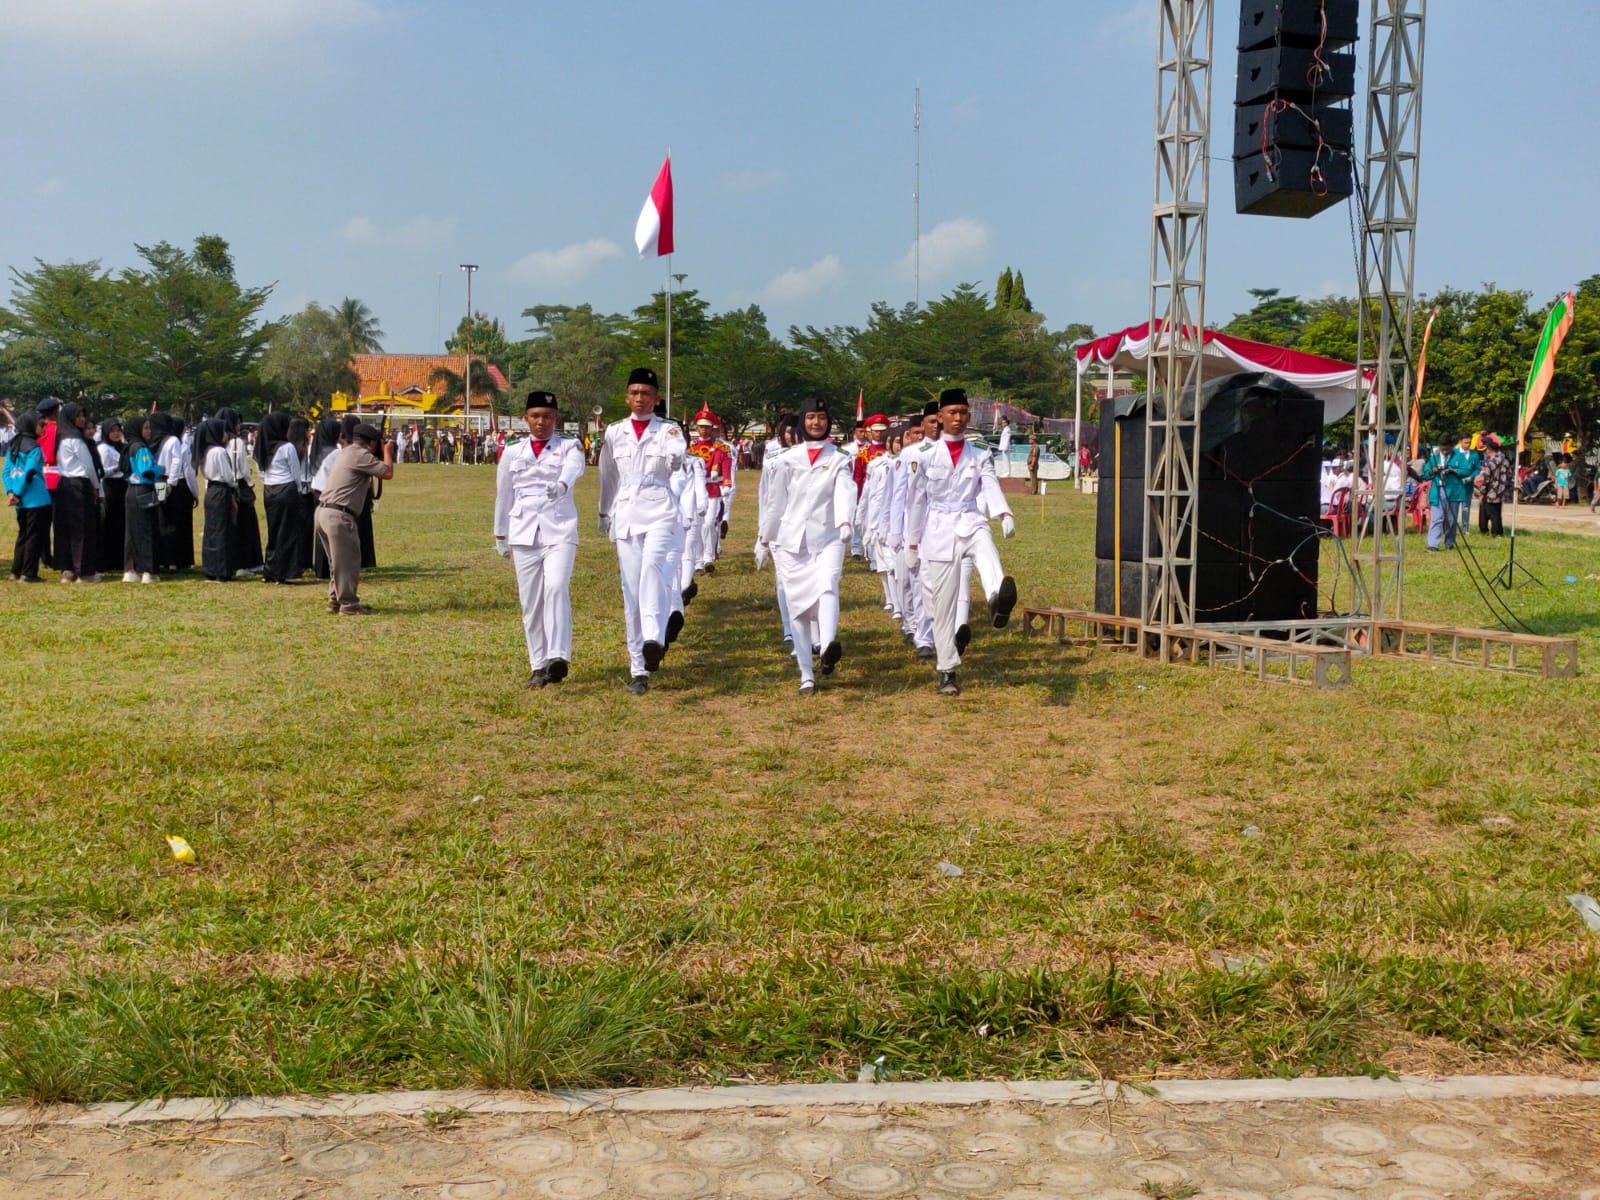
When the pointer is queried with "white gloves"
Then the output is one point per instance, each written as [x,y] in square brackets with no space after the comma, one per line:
[1008,526]
[555,491]
[501,548]
[763,556]
[912,558]
[605,525]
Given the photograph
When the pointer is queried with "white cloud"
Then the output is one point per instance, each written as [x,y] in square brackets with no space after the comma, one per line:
[754,181]
[948,246]
[178,28]
[53,186]
[801,283]
[568,265]
[419,233]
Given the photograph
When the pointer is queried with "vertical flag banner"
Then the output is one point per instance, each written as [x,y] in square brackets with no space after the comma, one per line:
[653,233]
[1416,401]
[1544,363]
[860,396]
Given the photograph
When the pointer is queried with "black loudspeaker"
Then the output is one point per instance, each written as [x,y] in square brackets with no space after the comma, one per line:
[1293,73]
[1257,547]
[1292,135]
[1298,23]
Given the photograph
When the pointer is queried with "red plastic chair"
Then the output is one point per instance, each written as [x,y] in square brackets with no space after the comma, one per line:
[1339,512]
[1419,510]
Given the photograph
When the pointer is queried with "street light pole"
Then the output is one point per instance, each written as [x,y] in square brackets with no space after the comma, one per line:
[466,404]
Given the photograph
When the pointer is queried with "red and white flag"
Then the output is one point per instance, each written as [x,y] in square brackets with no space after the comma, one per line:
[653,233]
[860,396]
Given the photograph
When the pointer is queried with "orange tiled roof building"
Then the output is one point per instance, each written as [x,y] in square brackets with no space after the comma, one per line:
[403,382]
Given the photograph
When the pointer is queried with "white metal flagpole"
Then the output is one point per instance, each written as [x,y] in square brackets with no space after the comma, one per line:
[669,335]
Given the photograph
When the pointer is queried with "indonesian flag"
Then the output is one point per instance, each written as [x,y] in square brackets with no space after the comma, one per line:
[1544,363]
[860,396]
[653,233]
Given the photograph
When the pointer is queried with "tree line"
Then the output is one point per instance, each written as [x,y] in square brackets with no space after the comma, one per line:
[178,329]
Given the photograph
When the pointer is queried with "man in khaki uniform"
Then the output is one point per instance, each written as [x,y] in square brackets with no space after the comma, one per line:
[343,496]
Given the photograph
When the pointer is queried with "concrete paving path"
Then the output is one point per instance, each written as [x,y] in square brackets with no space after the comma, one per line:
[1496,1138]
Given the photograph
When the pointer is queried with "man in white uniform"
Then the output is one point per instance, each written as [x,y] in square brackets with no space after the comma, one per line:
[805,524]
[640,513]
[536,525]
[945,526]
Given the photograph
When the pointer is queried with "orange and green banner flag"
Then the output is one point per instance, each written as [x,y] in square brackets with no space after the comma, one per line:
[1544,364]
[1416,401]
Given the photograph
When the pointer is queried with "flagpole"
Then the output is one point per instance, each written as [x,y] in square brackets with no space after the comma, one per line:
[669,335]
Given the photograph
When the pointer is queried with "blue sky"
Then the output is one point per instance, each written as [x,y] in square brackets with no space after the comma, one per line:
[367,147]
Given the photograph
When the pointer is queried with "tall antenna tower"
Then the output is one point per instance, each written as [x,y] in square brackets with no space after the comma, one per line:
[916,199]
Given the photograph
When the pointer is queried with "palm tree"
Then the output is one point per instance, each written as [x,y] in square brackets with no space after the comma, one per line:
[451,391]
[360,327]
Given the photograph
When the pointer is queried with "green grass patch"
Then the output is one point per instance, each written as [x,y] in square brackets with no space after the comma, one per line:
[412,872]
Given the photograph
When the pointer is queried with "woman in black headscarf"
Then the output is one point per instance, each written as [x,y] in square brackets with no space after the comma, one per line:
[143,508]
[304,532]
[175,544]
[114,467]
[247,554]
[27,494]
[213,460]
[77,499]
[280,494]
[330,437]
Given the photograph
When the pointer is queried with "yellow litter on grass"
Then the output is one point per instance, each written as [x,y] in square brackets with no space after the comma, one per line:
[181,850]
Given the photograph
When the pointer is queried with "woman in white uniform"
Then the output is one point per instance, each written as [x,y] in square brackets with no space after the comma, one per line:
[805,525]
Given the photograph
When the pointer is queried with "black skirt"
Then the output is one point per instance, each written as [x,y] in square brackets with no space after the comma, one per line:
[139,530]
[247,554]
[77,527]
[111,526]
[175,550]
[284,511]
[217,541]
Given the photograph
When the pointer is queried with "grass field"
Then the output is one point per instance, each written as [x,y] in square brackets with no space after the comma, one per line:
[412,872]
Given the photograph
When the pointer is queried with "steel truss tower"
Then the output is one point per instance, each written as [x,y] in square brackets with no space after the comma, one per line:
[1388,188]
[1177,322]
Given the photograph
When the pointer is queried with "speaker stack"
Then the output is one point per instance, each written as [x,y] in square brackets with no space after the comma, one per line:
[1293,130]
[1258,495]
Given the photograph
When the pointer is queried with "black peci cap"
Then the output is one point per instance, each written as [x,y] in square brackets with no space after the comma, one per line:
[643,375]
[540,400]
[953,398]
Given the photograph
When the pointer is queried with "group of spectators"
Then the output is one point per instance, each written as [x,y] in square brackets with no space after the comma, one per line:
[120,496]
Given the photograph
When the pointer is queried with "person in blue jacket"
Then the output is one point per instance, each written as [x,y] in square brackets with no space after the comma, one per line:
[1451,473]
[26,492]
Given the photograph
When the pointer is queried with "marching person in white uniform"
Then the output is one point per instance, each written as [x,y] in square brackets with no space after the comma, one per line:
[640,513]
[946,526]
[805,525]
[917,619]
[536,525]
[776,447]
[693,501]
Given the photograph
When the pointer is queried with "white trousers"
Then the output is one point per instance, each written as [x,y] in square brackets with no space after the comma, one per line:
[783,610]
[648,573]
[689,559]
[711,532]
[544,579]
[947,591]
[818,623]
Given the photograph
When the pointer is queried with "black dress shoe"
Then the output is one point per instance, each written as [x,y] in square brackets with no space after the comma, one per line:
[674,627]
[724,529]
[556,671]
[690,592]
[537,679]
[926,652]
[963,637]
[948,685]
[639,684]
[831,656]
[1004,601]
[654,652]
[710,568]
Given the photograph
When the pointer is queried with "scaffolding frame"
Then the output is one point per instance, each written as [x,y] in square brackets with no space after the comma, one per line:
[1177,313]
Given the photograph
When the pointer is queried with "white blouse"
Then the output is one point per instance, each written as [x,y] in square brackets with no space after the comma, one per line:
[219,466]
[285,467]
[111,459]
[74,461]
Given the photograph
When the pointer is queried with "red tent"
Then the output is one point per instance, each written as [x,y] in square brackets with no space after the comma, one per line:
[1335,383]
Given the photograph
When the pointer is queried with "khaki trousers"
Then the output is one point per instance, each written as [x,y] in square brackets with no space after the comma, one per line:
[341,542]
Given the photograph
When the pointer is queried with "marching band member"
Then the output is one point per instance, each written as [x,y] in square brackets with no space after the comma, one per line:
[536,525]
[719,473]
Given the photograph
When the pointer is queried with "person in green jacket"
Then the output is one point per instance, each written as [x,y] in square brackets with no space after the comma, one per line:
[1450,493]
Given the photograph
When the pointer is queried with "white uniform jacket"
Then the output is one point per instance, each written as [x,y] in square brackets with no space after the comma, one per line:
[875,497]
[689,485]
[524,513]
[942,498]
[807,501]
[636,476]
